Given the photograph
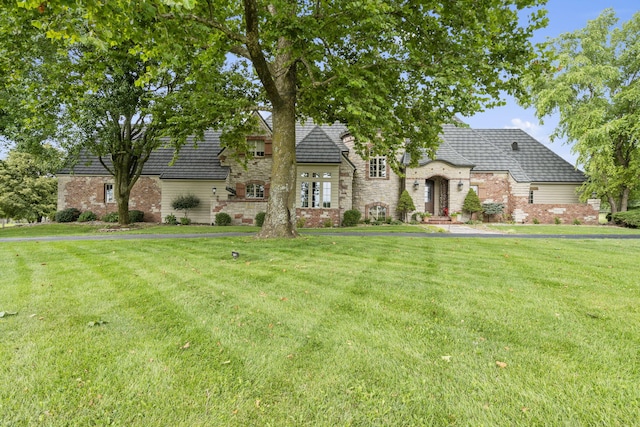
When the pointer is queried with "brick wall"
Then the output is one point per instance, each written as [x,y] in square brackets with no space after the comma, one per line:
[86,193]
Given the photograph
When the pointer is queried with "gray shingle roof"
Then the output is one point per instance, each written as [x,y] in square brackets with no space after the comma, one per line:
[481,152]
[195,161]
[539,162]
[317,147]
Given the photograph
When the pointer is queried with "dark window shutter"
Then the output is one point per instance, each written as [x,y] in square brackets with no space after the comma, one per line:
[240,190]
[267,187]
[268,148]
[100,190]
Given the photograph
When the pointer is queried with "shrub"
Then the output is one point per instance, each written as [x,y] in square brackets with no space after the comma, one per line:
[136,216]
[185,221]
[471,203]
[87,216]
[629,219]
[184,203]
[301,222]
[536,221]
[351,218]
[576,222]
[557,221]
[110,217]
[223,219]
[405,204]
[328,223]
[491,209]
[67,215]
[171,219]
[259,220]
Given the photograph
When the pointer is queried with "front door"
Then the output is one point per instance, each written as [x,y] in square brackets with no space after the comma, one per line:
[428,196]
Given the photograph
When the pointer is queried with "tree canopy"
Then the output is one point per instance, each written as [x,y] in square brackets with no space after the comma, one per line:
[392,71]
[28,189]
[593,83]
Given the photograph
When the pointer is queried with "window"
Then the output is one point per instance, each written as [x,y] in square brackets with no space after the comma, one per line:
[255,191]
[378,167]
[378,213]
[474,188]
[256,148]
[530,197]
[317,192]
[109,196]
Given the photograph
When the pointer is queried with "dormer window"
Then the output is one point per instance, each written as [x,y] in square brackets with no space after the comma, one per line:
[514,146]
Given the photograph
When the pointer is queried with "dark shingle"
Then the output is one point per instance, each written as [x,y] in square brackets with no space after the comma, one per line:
[539,162]
[317,147]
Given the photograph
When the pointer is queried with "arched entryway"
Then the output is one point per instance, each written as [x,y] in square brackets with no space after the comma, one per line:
[436,196]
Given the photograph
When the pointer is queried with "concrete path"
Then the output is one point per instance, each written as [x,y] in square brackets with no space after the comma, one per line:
[464,229]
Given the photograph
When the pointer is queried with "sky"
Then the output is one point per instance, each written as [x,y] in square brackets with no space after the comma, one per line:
[565,16]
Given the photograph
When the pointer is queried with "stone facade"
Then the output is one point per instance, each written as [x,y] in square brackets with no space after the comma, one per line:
[87,193]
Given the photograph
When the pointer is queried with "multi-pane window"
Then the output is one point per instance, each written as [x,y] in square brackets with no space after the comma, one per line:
[530,197]
[378,167]
[109,196]
[256,148]
[378,213]
[315,191]
[255,191]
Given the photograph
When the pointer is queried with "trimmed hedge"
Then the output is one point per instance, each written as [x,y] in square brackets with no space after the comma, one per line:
[136,216]
[351,218]
[629,219]
[223,219]
[111,217]
[260,218]
[87,216]
[67,215]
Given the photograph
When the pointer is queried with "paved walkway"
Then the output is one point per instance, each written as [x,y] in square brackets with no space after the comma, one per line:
[464,229]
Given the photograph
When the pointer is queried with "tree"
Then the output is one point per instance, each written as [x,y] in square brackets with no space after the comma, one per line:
[86,95]
[593,82]
[28,189]
[405,204]
[471,203]
[392,71]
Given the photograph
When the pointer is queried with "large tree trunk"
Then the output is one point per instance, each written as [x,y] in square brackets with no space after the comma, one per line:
[280,220]
[122,192]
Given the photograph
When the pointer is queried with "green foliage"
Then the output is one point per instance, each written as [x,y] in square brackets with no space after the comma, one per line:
[185,202]
[171,219]
[67,215]
[353,59]
[111,217]
[28,189]
[328,223]
[223,219]
[471,203]
[493,208]
[87,216]
[300,222]
[536,221]
[576,221]
[351,218]
[136,216]
[186,221]
[591,82]
[557,221]
[405,203]
[259,219]
[629,219]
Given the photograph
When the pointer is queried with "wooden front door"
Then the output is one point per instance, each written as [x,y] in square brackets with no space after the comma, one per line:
[428,196]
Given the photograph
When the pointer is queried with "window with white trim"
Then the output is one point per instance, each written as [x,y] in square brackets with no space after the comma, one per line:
[378,167]
[316,192]
[109,195]
[254,191]
[378,213]
[256,148]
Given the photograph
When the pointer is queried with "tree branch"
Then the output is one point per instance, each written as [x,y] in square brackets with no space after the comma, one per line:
[232,35]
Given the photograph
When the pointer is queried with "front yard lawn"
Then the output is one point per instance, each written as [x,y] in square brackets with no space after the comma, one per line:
[320,330]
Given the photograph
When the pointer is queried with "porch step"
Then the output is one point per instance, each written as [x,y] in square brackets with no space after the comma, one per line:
[439,220]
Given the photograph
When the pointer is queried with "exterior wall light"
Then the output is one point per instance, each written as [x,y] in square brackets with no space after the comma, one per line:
[416,184]
[460,185]
[213,190]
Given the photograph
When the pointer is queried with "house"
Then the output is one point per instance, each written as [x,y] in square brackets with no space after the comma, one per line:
[502,165]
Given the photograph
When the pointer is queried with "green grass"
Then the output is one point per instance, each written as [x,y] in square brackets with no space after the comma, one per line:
[561,229]
[321,330]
